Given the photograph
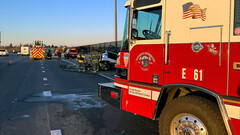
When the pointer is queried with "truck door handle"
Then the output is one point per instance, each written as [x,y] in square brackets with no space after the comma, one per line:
[167,34]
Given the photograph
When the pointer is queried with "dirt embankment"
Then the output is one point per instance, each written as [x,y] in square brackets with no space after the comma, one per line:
[11,49]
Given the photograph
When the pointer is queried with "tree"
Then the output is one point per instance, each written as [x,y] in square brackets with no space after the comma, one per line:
[10,46]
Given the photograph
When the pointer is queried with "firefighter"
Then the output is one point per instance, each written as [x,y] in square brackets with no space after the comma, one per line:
[49,53]
[81,58]
[59,54]
[94,58]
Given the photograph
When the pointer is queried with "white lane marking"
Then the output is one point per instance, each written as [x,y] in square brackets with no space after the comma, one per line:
[46,84]
[43,71]
[47,93]
[107,77]
[49,128]
[56,132]
[42,67]
[139,92]
[44,79]
[155,95]
[233,111]
[23,116]
[69,62]
[121,85]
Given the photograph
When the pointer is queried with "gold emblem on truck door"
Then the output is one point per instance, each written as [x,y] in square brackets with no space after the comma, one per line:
[236,65]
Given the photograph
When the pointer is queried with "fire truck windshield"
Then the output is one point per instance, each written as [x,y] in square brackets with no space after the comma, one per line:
[124,46]
[147,23]
[38,43]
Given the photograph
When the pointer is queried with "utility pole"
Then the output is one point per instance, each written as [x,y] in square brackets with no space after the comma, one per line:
[0,38]
[116,23]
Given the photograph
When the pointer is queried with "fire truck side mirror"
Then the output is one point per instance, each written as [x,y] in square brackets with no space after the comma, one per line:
[134,33]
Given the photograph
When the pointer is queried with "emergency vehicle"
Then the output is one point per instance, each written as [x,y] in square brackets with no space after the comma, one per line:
[25,50]
[37,51]
[180,64]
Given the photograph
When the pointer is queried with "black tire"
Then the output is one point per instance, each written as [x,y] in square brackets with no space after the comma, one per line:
[191,105]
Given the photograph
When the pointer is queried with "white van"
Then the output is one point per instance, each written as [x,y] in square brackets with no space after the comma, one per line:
[25,50]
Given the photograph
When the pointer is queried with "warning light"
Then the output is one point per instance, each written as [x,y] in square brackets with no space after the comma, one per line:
[238,65]
[114,95]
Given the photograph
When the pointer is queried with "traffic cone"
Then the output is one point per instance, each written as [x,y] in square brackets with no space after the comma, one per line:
[9,62]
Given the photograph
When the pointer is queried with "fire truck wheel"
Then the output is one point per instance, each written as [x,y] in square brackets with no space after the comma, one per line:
[191,115]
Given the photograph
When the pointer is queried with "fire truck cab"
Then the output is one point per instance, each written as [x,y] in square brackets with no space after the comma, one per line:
[179,64]
[37,51]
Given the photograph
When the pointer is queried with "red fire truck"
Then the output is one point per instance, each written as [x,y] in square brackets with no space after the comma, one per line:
[179,64]
[37,51]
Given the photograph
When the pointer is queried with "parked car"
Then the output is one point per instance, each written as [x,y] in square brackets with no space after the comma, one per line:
[3,52]
[71,53]
[109,58]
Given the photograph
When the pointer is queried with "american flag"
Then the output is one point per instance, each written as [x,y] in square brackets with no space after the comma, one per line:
[186,12]
[194,11]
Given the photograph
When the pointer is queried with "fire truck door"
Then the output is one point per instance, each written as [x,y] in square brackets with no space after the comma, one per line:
[146,61]
[145,71]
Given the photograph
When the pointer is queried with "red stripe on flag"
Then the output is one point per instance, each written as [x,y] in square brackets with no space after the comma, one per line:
[187,14]
[204,14]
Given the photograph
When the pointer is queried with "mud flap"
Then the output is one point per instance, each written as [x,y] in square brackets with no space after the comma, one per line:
[110,93]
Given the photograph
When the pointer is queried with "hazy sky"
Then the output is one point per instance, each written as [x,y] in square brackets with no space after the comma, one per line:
[60,22]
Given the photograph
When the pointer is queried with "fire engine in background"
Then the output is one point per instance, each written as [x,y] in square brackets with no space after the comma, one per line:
[37,51]
[180,63]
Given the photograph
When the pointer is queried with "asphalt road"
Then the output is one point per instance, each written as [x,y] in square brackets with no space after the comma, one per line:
[38,97]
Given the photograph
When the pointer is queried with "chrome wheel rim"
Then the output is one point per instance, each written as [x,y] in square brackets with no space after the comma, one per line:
[187,124]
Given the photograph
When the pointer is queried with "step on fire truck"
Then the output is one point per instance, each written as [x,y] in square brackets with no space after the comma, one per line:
[37,51]
[180,64]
